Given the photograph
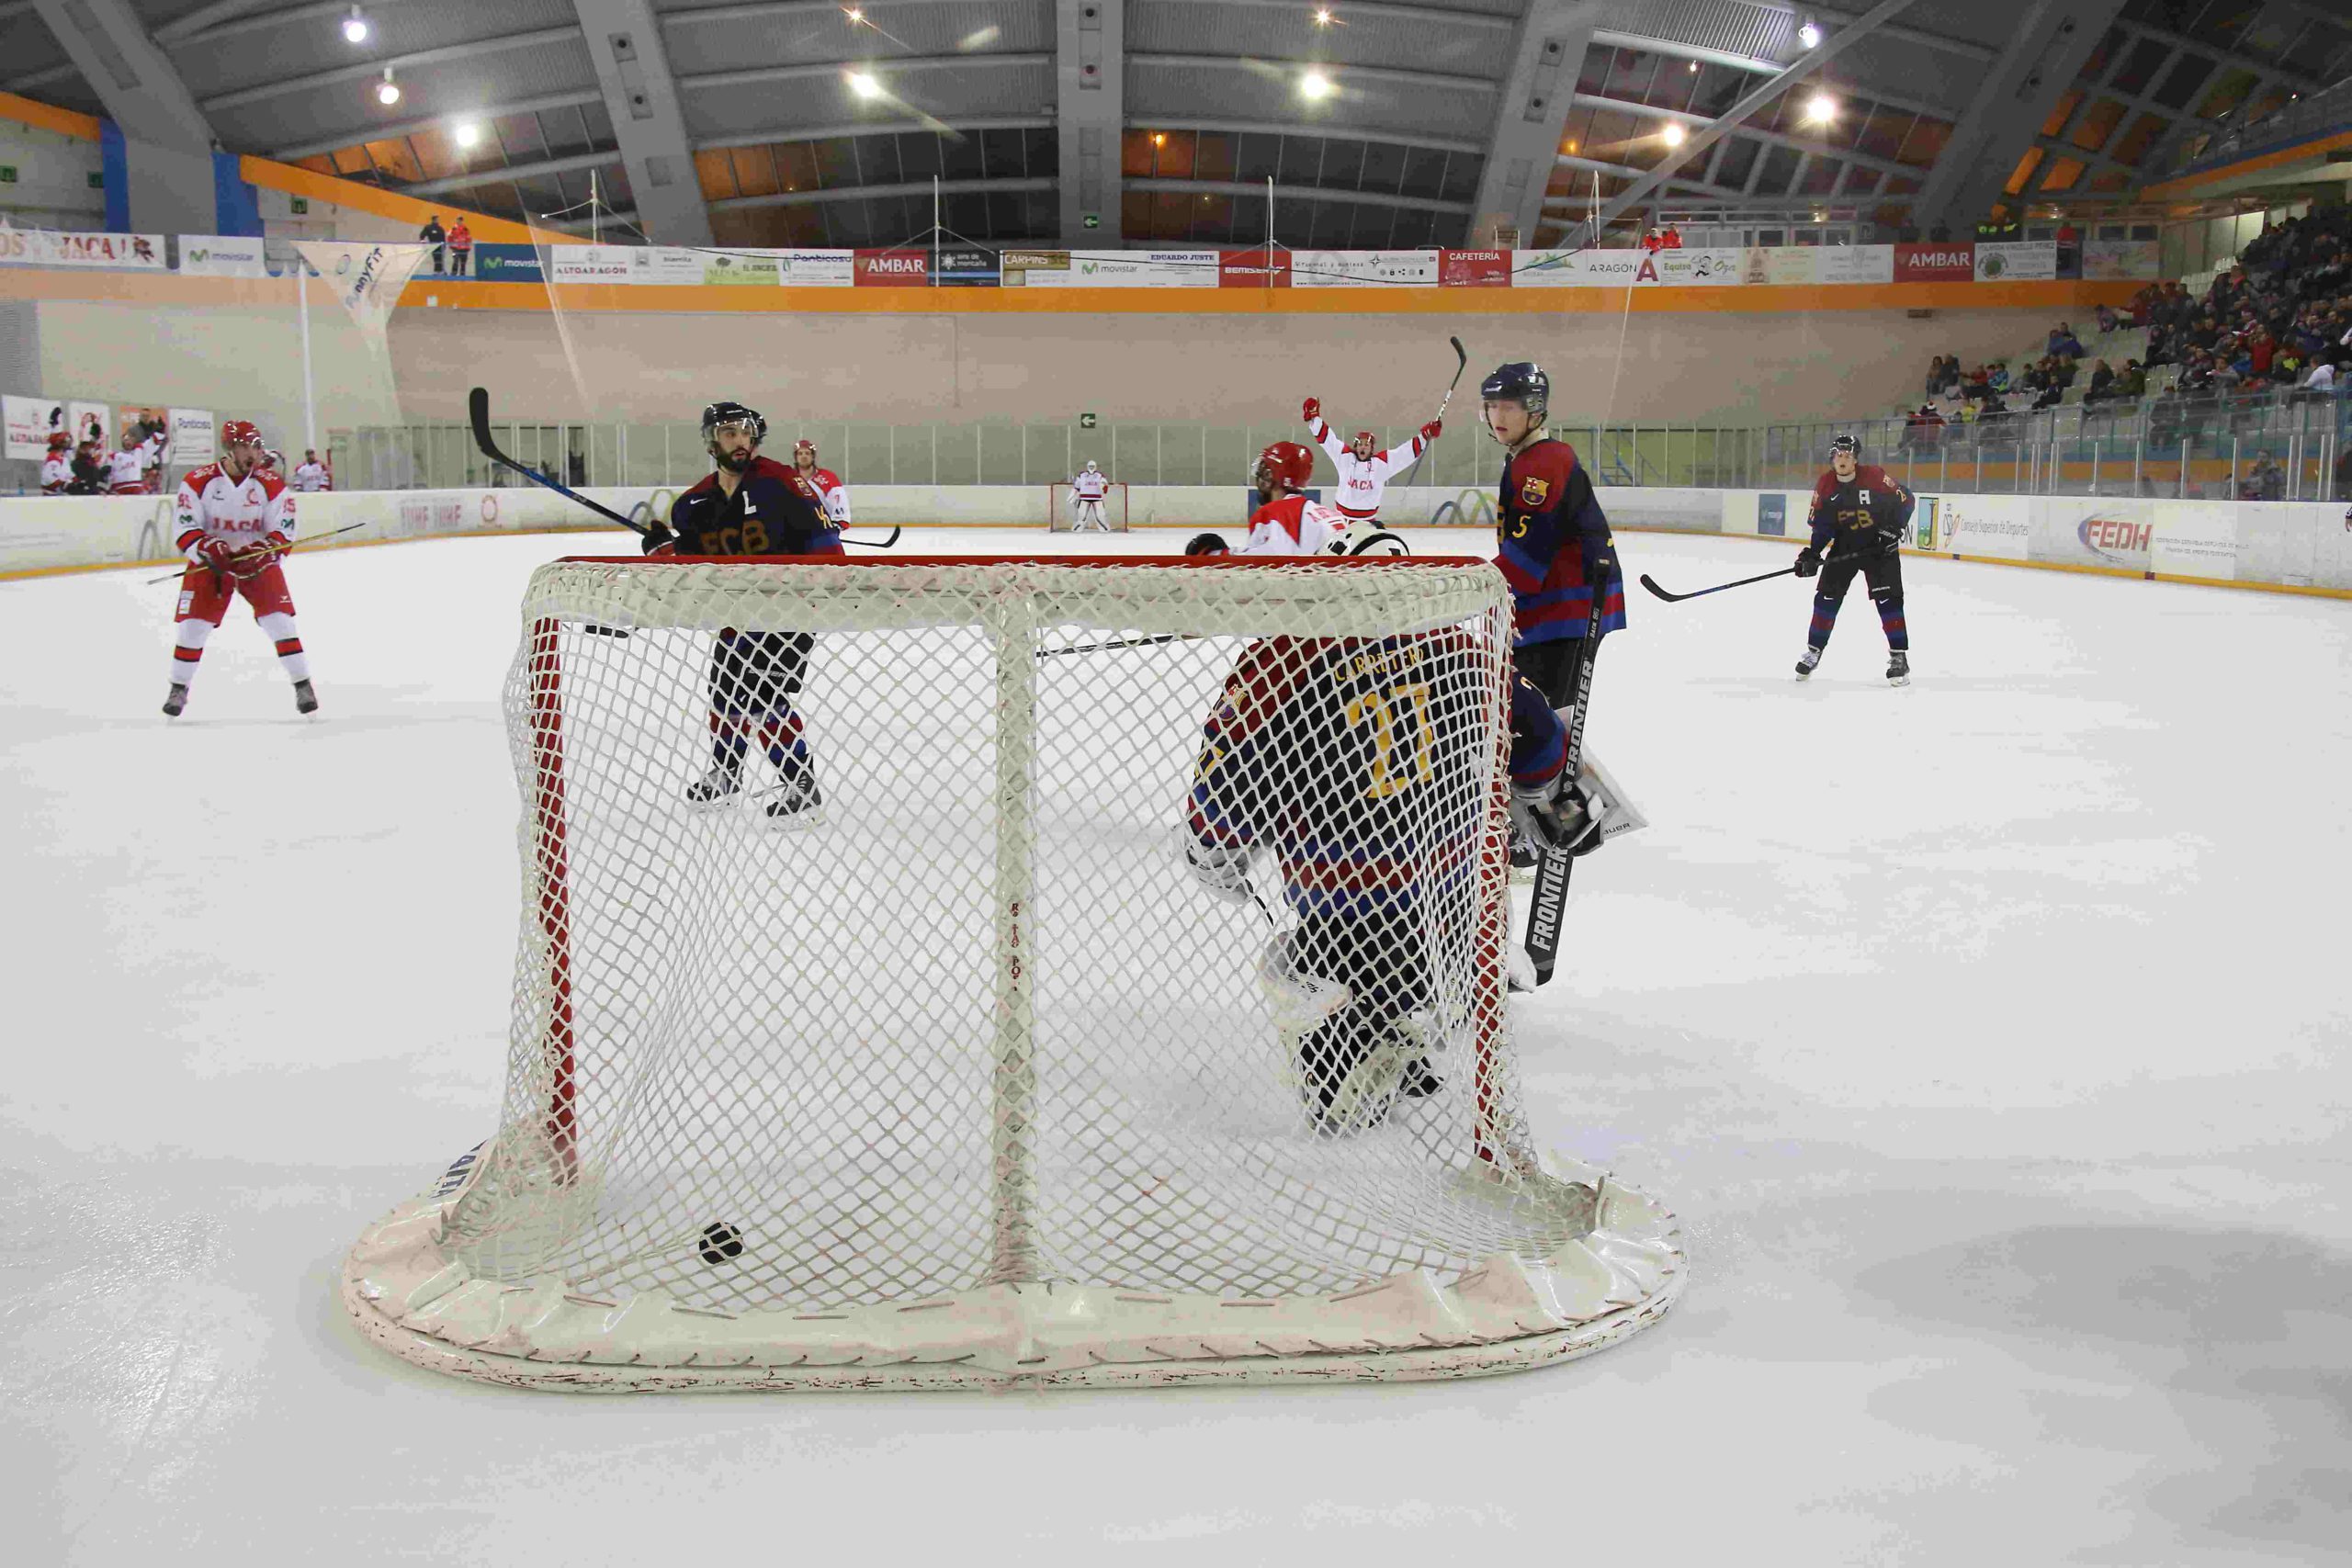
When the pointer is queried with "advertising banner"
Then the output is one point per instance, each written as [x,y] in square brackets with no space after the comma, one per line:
[1473,269]
[819,269]
[508,264]
[1998,526]
[2024,260]
[1942,262]
[1574,269]
[29,421]
[740,269]
[967,268]
[592,263]
[190,443]
[222,256]
[1359,269]
[2119,258]
[2197,539]
[2088,530]
[1114,269]
[1253,269]
[89,421]
[670,266]
[893,269]
[1782,264]
[1699,269]
[43,247]
[1855,263]
[366,278]
[1021,269]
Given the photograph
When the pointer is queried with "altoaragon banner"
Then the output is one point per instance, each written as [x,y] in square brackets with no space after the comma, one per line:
[366,277]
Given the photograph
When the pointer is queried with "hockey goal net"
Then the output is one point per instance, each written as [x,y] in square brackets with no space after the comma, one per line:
[1064,508]
[943,972]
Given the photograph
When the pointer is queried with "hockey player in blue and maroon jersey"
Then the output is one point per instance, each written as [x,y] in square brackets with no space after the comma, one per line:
[751,506]
[1859,515]
[1354,761]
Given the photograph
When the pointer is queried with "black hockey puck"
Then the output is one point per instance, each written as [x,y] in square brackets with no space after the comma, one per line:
[720,1241]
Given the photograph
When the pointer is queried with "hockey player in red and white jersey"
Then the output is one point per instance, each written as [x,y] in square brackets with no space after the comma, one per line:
[1088,487]
[1287,522]
[1364,473]
[311,476]
[235,520]
[822,486]
[150,463]
[57,469]
[125,473]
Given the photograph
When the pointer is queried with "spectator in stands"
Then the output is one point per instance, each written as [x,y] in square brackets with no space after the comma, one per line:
[1935,375]
[1976,387]
[2267,481]
[1652,241]
[1997,380]
[2321,380]
[2070,250]
[433,235]
[2102,383]
[2106,317]
[461,247]
[2063,343]
[1671,239]
[2132,383]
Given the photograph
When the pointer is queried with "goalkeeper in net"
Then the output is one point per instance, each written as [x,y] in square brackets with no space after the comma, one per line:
[1360,767]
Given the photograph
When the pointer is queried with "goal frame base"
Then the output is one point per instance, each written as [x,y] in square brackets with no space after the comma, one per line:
[406,1290]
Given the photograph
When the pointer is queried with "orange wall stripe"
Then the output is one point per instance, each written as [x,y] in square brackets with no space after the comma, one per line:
[2317,147]
[47,117]
[309,182]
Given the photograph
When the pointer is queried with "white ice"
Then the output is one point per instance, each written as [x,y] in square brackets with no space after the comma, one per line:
[1989,1036]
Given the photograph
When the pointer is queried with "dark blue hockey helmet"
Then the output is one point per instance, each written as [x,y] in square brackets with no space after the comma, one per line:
[1846,445]
[1521,382]
[719,414]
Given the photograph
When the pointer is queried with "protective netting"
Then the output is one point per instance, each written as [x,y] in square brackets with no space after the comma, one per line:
[1113,924]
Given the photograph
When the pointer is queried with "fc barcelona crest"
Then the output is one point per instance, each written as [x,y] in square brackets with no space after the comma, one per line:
[1532,491]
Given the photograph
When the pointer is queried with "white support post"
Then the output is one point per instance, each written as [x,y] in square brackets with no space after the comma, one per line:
[1013,1255]
[310,401]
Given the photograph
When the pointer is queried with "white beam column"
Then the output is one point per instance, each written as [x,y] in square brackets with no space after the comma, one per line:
[168,143]
[1089,101]
[1546,54]
[642,99]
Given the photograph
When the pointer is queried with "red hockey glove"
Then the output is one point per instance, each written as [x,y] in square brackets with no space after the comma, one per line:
[1433,430]
[1311,410]
[218,554]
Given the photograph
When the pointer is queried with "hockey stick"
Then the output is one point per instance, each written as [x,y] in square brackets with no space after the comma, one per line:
[478,406]
[1549,906]
[268,549]
[1462,355]
[1650,584]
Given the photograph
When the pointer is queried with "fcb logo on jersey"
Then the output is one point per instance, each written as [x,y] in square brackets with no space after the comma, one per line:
[1532,491]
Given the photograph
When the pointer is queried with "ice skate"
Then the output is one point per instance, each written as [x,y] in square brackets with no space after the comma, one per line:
[713,787]
[796,802]
[305,699]
[176,703]
[1806,665]
[1898,667]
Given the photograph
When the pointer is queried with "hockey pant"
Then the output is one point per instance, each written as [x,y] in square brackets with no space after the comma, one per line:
[1090,516]
[752,678]
[204,600]
[1884,574]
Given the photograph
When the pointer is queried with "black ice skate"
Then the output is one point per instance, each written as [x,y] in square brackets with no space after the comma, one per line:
[1420,1079]
[1806,665]
[714,786]
[176,703]
[796,802]
[305,699]
[1898,669]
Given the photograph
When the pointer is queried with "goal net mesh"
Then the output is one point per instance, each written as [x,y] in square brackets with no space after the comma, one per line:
[967,1013]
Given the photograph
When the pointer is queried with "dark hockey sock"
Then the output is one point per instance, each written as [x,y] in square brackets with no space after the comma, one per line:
[728,742]
[1890,617]
[1825,615]
[780,734]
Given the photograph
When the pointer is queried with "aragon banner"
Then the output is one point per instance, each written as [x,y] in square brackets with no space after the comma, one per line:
[368,278]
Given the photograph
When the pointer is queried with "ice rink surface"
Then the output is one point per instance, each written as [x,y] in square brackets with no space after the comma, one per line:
[1989,1036]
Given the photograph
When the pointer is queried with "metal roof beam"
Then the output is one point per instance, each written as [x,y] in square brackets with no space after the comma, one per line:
[1090,115]
[888,65]
[1546,54]
[171,142]
[1397,75]
[642,96]
[2012,101]
[1246,189]
[514,172]
[1754,133]
[1967,49]
[1754,67]
[280,88]
[1325,131]
[1356,9]
[399,127]
[784,133]
[232,17]
[856,193]
[1756,98]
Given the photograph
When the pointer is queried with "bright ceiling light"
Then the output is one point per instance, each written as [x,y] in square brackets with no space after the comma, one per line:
[354,26]
[468,134]
[864,87]
[1322,19]
[854,13]
[1159,139]
[1694,68]
[1315,84]
[1674,134]
[1821,108]
[1809,36]
[388,91]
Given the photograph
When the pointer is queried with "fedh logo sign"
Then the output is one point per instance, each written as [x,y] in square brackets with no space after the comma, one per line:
[2118,540]
[893,269]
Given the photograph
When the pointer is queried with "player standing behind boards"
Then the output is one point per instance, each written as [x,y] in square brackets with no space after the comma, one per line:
[1364,473]
[150,461]
[822,486]
[311,476]
[57,469]
[1556,552]
[1858,518]
[233,522]
[1347,758]
[1286,521]
[126,468]
[751,506]
[1087,488]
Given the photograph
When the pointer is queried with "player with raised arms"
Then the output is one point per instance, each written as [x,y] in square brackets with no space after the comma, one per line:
[1088,487]
[1287,522]
[1858,518]
[233,521]
[57,467]
[1364,473]
[751,505]
[822,486]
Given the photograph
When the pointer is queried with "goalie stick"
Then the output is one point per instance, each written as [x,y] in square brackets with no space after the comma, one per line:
[1549,906]
[478,406]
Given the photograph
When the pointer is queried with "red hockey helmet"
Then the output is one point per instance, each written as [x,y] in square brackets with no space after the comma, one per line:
[1290,464]
[1364,438]
[59,441]
[804,445]
[240,433]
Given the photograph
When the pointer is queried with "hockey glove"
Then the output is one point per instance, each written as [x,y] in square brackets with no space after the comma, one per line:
[1311,410]
[1553,813]
[1808,561]
[657,538]
[1433,430]
[1223,871]
[1207,545]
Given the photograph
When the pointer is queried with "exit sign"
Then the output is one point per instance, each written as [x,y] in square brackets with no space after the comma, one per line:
[97,182]
[1085,421]
[8,174]
[301,205]
[1090,220]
